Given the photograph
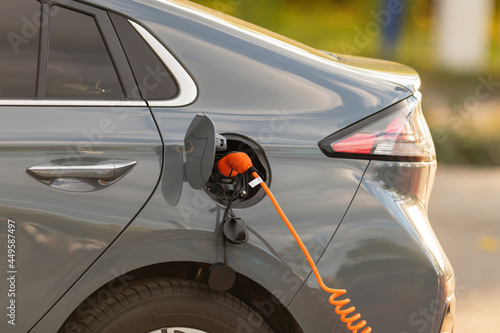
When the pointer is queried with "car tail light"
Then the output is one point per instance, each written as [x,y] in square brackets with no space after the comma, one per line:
[398,133]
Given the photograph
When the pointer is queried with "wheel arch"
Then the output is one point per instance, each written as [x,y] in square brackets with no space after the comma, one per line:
[265,283]
[253,294]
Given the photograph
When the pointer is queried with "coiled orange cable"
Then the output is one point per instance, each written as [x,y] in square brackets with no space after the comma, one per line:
[343,313]
[237,163]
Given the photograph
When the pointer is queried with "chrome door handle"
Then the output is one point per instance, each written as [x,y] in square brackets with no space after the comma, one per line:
[108,171]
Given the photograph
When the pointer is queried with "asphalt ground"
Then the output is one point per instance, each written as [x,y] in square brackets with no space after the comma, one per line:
[465,213]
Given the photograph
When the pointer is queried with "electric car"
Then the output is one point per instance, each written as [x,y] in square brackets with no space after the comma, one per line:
[116,117]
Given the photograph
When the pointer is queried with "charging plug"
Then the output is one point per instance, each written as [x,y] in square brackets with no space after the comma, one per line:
[234,163]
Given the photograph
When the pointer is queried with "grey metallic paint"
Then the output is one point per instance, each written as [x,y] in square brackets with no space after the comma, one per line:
[284,99]
[64,226]
[377,236]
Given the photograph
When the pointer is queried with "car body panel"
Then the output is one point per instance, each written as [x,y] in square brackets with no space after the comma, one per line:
[62,227]
[407,276]
[255,71]
[162,233]
[388,70]
[286,97]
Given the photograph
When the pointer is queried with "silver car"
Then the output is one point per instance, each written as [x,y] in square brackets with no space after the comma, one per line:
[116,215]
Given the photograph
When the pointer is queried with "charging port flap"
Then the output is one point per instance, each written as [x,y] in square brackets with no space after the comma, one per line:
[200,142]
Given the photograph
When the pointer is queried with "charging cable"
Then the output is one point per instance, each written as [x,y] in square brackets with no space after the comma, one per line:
[239,163]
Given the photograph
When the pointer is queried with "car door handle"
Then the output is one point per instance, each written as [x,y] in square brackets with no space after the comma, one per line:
[108,171]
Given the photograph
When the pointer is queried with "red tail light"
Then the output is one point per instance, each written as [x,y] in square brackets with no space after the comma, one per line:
[399,133]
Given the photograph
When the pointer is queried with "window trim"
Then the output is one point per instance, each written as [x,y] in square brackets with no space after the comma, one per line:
[41,75]
[109,38]
[188,91]
[63,102]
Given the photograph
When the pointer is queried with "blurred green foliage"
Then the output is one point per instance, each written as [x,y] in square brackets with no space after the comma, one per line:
[468,149]
[346,26]
[337,25]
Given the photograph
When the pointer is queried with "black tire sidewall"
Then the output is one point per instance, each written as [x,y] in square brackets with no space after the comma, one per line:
[197,308]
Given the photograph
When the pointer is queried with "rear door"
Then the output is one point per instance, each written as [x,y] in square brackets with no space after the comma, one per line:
[80,153]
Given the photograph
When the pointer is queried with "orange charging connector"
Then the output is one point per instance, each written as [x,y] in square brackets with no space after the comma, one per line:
[235,163]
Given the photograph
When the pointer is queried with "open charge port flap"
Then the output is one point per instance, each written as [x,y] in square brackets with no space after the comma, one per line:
[221,189]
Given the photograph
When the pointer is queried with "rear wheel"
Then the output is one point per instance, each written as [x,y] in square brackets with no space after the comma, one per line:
[177,330]
[167,306]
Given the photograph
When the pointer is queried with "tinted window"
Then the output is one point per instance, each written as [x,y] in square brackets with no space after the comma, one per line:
[79,65]
[153,78]
[19,29]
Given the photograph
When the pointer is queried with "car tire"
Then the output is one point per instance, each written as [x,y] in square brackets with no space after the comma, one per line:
[166,306]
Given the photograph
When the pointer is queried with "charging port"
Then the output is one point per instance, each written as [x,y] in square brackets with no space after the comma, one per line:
[221,189]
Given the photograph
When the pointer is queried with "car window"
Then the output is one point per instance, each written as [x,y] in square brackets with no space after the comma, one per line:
[79,65]
[19,29]
[154,79]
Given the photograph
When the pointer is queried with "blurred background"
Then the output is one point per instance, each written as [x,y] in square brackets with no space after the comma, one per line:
[455,46]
